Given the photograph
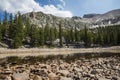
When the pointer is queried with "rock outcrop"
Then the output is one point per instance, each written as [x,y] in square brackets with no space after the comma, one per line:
[41,20]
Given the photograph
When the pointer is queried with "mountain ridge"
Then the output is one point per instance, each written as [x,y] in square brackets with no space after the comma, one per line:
[109,18]
[41,19]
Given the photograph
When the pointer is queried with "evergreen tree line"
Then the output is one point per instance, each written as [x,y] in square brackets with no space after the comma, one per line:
[100,36]
[105,36]
[16,32]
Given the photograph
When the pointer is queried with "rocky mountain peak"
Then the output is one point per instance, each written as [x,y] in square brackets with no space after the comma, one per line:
[41,19]
[109,18]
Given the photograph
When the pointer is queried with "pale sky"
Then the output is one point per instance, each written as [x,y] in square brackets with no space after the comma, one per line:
[62,8]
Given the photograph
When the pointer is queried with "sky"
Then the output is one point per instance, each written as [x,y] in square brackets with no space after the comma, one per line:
[62,8]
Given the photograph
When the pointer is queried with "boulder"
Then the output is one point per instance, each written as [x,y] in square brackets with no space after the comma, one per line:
[37,77]
[20,76]
[53,76]
[8,78]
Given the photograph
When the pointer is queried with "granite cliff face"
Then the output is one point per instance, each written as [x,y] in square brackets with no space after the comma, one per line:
[40,19]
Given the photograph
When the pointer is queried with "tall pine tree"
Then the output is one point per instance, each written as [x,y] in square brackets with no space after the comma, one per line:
[52,37]
[47,32]
[5,25]
[11,26]
[60,34]
[18,32]
[0,30]
[86,36]
[34,36]
[41,36]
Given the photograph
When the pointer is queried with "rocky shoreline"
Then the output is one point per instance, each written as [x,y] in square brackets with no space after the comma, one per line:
[56,68]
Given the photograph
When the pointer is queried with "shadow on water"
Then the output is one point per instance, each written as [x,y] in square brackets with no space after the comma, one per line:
[67,58]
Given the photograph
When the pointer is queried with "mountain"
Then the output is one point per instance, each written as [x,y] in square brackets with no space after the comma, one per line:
[91,20]
[41,19]
[109,18]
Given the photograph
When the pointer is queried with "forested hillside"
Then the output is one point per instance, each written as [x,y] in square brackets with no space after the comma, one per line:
[15,31]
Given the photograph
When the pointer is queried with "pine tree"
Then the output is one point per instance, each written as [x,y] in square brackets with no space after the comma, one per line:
[118,34]
[5,25]
[52,37]
[47,32]
[27,31]
[41,36]
[86,36]
[27,27]
[72,35]
[21,27]
[67,36]
[115,37]
[98,36]
[60,34]
[56,33]
[76,35]
[18,32]
[0,30]
[11,26]
[34,36]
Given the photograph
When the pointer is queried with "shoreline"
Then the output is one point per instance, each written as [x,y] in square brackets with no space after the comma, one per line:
[54,51]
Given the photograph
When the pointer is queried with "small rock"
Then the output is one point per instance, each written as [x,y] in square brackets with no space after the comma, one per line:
[94,71]
[53,76]
[64,72]
[114,78]
[77,69]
